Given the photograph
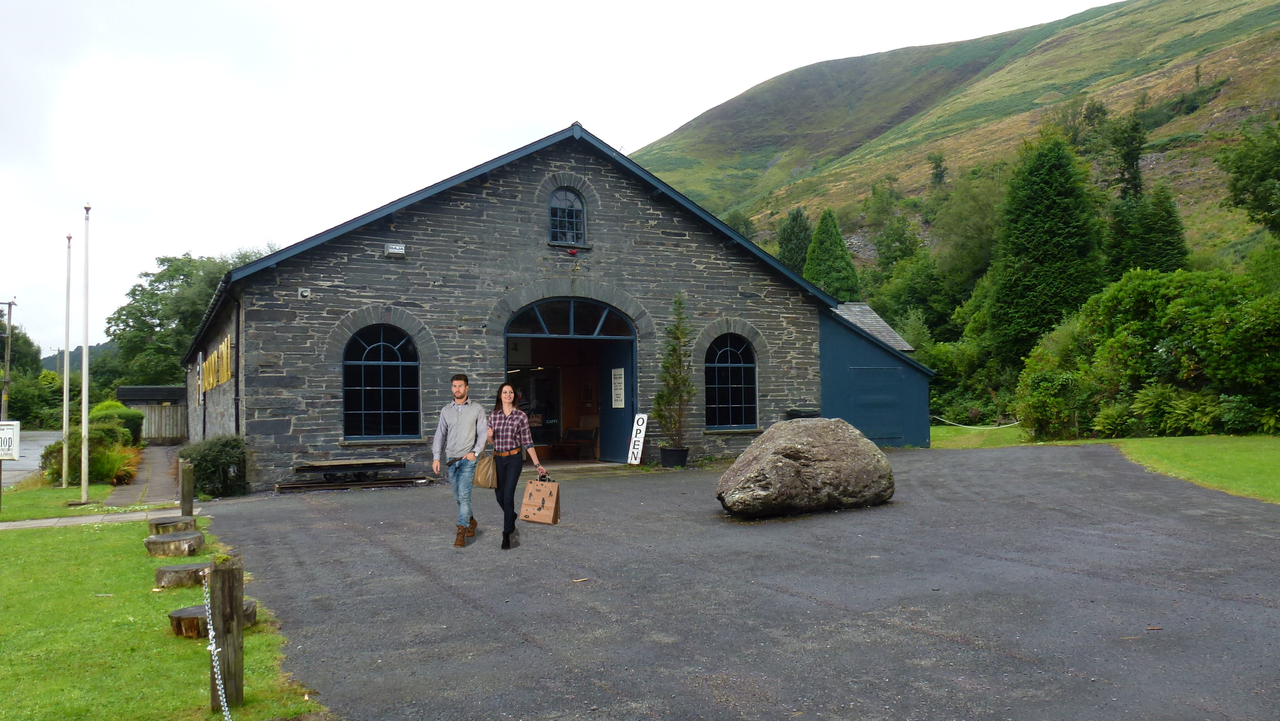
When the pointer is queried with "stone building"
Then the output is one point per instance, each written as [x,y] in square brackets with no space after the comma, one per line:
[553,266]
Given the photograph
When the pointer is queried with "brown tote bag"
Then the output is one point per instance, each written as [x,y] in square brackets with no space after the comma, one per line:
[486,470]
[541,502]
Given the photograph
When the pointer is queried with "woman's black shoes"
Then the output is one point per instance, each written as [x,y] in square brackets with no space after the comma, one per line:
[506,541]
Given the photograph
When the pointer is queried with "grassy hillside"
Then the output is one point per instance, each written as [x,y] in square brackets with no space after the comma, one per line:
[820,135]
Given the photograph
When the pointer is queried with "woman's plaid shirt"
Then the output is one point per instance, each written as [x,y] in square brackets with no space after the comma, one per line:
[510,431]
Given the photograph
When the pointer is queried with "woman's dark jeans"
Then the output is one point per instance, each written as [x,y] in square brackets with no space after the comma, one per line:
[508,468]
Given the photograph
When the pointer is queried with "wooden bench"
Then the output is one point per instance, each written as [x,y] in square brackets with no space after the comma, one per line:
[346,474]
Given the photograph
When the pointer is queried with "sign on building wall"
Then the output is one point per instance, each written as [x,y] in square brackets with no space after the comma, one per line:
[619,388]
[636,448]
[216,369]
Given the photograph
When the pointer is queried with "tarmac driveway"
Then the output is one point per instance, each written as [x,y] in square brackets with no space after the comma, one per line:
[1022,583]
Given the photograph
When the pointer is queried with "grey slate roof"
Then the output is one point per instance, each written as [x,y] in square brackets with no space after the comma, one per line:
[139,394]
[861,315]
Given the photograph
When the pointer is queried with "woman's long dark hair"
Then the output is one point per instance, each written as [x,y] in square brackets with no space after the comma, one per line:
[497,406]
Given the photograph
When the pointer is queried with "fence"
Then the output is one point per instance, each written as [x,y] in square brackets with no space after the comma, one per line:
[164,425]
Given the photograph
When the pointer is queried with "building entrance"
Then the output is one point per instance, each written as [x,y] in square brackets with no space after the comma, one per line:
[572,362]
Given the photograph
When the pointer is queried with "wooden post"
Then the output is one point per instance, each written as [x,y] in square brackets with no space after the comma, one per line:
[226,619]
[186,487]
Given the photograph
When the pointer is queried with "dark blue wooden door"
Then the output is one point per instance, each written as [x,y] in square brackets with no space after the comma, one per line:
[615,423]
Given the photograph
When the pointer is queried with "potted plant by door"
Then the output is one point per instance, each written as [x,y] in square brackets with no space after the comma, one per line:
[675,386]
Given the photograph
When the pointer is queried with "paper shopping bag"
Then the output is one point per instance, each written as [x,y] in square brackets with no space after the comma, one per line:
[541,502]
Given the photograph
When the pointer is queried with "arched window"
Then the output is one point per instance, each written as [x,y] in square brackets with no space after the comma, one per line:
[568,222]
[731,383]
[380,385]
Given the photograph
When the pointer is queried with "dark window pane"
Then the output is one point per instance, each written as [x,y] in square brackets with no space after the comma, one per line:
[372,376]
[749,415]
[391,424]
[350,376]
[372,399]
[586,316]
[410,400]
[351,399]
[352,425]
[373,424]
[526,322]
[555,316]
[409,424]
[391,400]
[722,376]
[615,325]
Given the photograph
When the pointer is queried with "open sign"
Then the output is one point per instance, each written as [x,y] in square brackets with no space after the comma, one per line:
[636,448]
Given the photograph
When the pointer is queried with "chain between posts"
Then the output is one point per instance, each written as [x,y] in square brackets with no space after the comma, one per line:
[213,646]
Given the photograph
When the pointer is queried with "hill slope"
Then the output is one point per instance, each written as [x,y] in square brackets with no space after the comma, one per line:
[828,130]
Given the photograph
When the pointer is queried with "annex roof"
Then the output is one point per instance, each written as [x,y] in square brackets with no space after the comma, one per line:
[861,315]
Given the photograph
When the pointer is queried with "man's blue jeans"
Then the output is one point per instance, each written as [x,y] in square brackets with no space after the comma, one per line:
[460,476]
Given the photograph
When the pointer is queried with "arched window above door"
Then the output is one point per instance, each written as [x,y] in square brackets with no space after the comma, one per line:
[570,318]
[731,383]
[380,385]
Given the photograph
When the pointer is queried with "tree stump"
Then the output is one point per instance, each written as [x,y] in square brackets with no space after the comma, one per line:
[191,622]
[171,524]
[187,574]
[182,543]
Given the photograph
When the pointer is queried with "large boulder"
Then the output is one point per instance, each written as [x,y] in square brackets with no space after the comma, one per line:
[806,465]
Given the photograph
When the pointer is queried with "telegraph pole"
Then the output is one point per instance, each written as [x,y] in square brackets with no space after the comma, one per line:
[66,378]
[8,350]
[84,374]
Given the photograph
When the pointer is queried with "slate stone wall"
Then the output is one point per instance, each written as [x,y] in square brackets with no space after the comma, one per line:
[477,253]
[217,416]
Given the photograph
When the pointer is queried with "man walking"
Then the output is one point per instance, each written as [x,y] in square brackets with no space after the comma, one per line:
[461,437]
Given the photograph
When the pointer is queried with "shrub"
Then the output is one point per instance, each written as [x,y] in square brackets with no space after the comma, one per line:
[1239,414]
[1048,404]
[1153,402]
[219,466]
[110,460]
[129,418]
[1192,414]
[1115,420]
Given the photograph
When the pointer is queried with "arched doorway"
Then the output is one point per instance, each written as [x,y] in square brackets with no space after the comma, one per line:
[573,361]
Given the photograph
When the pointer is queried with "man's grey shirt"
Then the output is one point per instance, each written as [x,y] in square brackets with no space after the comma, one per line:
[464,426]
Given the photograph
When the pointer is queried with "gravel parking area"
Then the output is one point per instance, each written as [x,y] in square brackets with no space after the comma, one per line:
[1018,583]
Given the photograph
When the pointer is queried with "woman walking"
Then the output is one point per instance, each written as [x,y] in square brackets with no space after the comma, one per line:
[509,432]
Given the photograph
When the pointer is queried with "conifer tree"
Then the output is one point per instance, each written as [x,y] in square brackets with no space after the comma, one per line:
[1161,243]
[828,264]
[794,236]
[1048,254]
[1123,233]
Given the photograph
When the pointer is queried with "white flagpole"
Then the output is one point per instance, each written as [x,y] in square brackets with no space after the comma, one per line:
[84,374]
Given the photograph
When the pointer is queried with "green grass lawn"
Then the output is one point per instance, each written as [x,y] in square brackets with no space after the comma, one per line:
[25,501]
[84,636]
[1239,465]
[22,502]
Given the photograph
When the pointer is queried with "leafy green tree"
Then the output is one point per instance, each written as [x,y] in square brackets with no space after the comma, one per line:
[25,354]
[828,263]
[1047,258]
[1254,185]
[966,227]
[795,233]
[155,327]
[895,241]
[938,168]
[1126,136]
[740,222]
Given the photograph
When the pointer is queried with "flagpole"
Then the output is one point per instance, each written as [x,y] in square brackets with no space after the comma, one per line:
[84,374]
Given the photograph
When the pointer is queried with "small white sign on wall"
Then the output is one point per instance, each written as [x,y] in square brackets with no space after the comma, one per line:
[619,388]
[636,448]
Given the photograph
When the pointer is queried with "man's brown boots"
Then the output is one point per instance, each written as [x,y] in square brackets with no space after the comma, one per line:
[472,530]
[462,537]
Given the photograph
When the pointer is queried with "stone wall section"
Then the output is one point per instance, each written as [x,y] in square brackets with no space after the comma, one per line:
[474,255]
[217,415]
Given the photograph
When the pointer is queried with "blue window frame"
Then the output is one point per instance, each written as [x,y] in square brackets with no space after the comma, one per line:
[731,383]
[380,385]
[568,220]
[569,318]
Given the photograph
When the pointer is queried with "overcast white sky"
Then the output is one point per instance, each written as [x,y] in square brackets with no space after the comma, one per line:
[206,127]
